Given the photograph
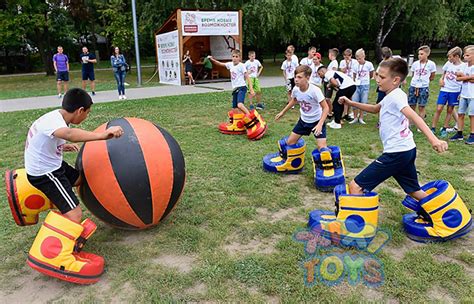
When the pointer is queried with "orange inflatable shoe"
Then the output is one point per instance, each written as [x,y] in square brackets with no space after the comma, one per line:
[232,127]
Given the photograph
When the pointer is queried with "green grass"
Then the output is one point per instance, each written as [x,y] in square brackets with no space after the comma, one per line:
[235,222]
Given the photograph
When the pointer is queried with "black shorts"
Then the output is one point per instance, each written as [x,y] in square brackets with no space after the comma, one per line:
[305,128]
[88,75]
[327,92]
[57,186]
[400,165]
[62,76]
[290,84]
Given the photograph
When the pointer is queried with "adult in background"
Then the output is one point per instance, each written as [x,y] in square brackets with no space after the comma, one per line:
[88,60]
[61,66]
[119,66]
[188,67]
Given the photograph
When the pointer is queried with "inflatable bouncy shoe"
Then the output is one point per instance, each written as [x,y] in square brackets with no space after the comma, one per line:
[239,123]
[439,217]
[328,168]
[354,222]
[56,250]
[254,124]
[289,159]
[25,201]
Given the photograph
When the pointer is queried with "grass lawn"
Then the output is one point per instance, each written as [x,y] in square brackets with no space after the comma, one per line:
[230,238]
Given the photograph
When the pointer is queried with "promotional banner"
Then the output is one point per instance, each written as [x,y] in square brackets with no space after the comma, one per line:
[169,59]
[222,47]
[195,23]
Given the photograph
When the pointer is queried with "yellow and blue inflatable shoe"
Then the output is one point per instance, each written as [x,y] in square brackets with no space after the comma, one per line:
[232,127]
[254,124]
[439,217]
[289,159]
[25,201]
[328,168]
[354,222]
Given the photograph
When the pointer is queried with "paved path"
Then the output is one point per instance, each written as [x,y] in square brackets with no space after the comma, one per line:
[19,104]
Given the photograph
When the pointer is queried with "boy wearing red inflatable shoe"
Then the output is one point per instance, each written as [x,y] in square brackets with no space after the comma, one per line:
[56,250]
[399,154]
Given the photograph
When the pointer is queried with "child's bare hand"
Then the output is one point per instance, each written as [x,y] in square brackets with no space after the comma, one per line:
[343,99]
[459,74]
[112,132]
[441,82]
[278,116]
[70,148]
[440,146]
[317,130]
[252,93]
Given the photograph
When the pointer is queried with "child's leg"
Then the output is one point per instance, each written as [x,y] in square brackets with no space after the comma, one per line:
[439,110]
[321,143]
[471,118]
[241,92]
[449,113]
[422,111]
[293,138]
[74,215]
[460,123]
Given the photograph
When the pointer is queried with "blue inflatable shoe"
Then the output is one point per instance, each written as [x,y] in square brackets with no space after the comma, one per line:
[328,168]
[289,159]
[439,217]
[354,221]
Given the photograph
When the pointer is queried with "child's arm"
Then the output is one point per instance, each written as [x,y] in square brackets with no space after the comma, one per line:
[432,76]
[362,106]
[79,135]
[216,61]
[249,83]
[260,71]
[288,106]
[438,145]
[441,80]
[317,129]
[461,77]
[333,83]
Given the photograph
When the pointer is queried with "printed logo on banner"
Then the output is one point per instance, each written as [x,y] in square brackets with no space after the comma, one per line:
[190,24]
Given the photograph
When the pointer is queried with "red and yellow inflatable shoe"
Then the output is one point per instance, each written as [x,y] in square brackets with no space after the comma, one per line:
[232,127]
[254,124]
[56,251]
[25,201]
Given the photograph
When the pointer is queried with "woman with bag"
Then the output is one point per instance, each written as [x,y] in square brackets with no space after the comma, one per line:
[119,65]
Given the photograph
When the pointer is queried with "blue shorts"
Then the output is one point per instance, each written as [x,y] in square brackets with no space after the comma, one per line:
[62,76]
[238,96]
[361,94]
[466,106]
[399,165]
[448,97]
[305,128]
[88,75]
[418,96]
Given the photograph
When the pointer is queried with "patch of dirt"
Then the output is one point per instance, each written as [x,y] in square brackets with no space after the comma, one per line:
[272,217]
[262,246]
[197,289]
[398,252]
[182,263]
[439,294]
[444,258]
[134,237]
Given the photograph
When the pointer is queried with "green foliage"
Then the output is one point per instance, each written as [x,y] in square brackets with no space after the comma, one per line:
[117,20]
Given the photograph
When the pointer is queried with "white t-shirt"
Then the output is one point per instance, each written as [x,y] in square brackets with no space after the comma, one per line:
[43,151]
[342,79]
[237,74]
[362,72]
[289,68]
[310,108]
[422,73]
[294,58]
[306,61]
[333,65]
[252,67]
[394,126]
[450,82]
[315,79]
[467,89]
[350,66]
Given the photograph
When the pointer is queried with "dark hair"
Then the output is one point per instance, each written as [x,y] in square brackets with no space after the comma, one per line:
[396,67]
[335,51]
[306,70]
[321,67]
[76,98]
[386,52]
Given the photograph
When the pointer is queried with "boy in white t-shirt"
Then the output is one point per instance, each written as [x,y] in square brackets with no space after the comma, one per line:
[363,72]
[294,58]
[313,109]
[466,102]
[332,66]
[254,68]
[399,149]
[450,90]
[423,72]
[239,79]
[315,65]
[46,170]
[288,67]
[347,64]
[309,60]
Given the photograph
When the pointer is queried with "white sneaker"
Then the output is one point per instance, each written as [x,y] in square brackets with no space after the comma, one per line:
[120,97]
[356,120]
[124,97]
[351,115]
[362,121]
[60,95]
[335,126]
[330,123]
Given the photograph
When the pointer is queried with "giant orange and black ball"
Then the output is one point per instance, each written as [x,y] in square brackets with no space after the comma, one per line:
[134,181]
